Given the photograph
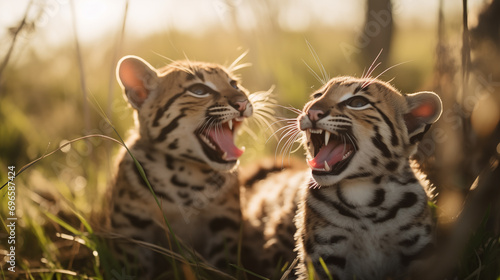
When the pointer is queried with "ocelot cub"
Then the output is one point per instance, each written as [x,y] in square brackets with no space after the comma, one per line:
[362,211]
[187,114]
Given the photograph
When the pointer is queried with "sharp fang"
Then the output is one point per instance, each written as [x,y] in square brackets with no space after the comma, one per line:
[230,123]
[327,168]
[327,137]
[224,156]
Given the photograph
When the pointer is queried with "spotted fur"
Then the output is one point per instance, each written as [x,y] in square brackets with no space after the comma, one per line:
[269,201]
[360,209]
[187,114]
[366,214]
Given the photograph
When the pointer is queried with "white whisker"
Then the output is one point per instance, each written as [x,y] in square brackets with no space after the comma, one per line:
[235,66]
[372,67]
[367,83]
[325,76]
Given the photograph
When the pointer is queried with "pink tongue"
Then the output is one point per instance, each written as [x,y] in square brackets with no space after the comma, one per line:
[223,137]
[331,153]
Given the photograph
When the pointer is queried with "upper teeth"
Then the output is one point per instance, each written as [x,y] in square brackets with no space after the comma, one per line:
[316,131]
[327,137]
[230,123]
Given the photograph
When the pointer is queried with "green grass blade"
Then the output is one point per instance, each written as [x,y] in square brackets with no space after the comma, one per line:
[325,268]
[62,223]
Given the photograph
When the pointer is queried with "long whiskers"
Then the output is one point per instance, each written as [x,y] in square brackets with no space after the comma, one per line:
[324,78]
[372,67]
[235,66]
[288,135]
[190,70]
[263,114]
[371,80]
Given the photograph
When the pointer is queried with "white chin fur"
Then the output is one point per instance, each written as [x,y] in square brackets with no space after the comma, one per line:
[326,180]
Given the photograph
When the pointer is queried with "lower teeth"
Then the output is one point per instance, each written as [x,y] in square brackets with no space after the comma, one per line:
[327,168]
[346,155]
[207,141]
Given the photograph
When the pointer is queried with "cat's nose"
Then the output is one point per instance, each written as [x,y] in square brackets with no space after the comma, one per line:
[315,115]
[240,105]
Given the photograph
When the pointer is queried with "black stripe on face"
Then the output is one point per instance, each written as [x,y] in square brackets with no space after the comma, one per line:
[169,128]
[340,209]
[378,142]
[394,137]
[165,108]
[409,199]
[199,74]
[222,223]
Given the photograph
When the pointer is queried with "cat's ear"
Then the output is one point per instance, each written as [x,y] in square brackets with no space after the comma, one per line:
[137,78]
[424,108]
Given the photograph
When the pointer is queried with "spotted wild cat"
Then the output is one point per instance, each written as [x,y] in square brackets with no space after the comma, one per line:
[187,115]
[365,212]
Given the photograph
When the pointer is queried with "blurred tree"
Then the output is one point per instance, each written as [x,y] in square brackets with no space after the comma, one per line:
[377,32]
[485,43]
[488,26]
[485,117]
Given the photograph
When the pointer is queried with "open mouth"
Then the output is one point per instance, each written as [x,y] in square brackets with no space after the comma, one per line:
[332,153]
[217,141]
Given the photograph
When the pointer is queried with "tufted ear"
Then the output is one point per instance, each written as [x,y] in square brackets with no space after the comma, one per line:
[424,108]
[137,77]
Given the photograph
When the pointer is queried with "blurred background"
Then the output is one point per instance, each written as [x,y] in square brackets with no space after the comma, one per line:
[58,59]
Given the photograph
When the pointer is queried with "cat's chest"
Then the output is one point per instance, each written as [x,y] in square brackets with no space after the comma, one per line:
[365,206]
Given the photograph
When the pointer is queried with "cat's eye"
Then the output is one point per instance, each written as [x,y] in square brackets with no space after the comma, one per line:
[317,95]
[234,84]
[357,102]
[199,90]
